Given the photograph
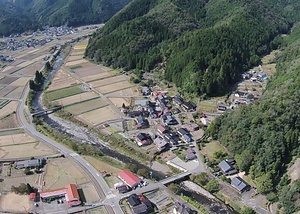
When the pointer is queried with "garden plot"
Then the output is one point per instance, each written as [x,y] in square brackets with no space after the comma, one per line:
[77,62]
[8,80]
[25,150]
[96,76]
[77,98]
[8,109]
[118,102]
[15,94]
[15,139]
[60,172]
[86,106]
[20,81]
[98,116]
[62,80]
[114,87]
[63,92]
[107,81]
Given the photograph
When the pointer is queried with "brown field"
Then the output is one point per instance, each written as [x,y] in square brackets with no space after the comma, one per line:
[114,87]
[30,70]
[25,150]
[8,109]
[14,203]
[25,64]
[210,148]
[15,94]
[9,122]
[74,58]
[7,140]
[102,166]
[77,98]
[78,62]
[119,101]
[96,76]
[77,52]
[62,80]
[7,68]
[98,116]
[8,80]
[133,91]
[17,62]
[88,69]
[89,192]
[81,46]
[60,172]
[86,106]
[6,90]
[107,81]
[21,81]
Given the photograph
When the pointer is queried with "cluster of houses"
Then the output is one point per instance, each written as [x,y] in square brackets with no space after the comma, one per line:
[227,168]
[29,163]
[140,204]
[6,59]
[255,76]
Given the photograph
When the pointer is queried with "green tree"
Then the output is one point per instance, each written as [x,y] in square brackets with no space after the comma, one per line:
[143,172]
[200,179]
[27,171]
[131,167]
[212,186]
[264,183]
[247,210]
[175,188]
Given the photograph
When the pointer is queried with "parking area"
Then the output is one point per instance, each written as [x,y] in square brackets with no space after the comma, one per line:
[53,207]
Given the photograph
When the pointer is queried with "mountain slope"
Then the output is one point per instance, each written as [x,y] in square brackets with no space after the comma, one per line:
[186,35]
[60,12]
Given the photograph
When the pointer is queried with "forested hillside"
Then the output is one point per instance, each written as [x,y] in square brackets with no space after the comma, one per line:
[264,136]
[206,44]
[55,13]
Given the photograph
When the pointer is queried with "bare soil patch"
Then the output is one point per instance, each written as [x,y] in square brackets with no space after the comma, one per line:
[9,122]
[74,58]
[114,87]
[15,139]
[96,76]
[88,69]
[98,116]
[20,81]
[90,193]
[30,70]
[6,90]
[102,166]
[86,106]
[7,80]
[77,98]
[14,203]
[60,172]
[62,80]
[15,94]
[133,91]
[8,109]
[118,102]
[77,62]
[293,171]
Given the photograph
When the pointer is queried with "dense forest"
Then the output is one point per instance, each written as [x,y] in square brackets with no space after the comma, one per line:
[204,45]
[264,136]
[20,15]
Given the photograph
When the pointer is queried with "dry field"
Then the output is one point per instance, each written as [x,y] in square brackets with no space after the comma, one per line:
[8,109]
[89,192]
[133,91]
[9,122]
[118,102]
[77,98]
[8,140]
[62,80]
[30,70]
[102,166]
[98,76]
[114,87]
[88,69]
[77,62]
[107,81]
[98,116]
[17,62]
[7,68]
[25,64]
[60,172]
[15,94]
[8,80]
[21,81]
[14,203]
[86,106]
[25,150]
[6,90]
[74,57]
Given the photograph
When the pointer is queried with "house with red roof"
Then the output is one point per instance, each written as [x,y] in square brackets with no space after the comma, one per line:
[129,178]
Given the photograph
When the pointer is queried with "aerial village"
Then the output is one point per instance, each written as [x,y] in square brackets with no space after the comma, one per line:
[152,120]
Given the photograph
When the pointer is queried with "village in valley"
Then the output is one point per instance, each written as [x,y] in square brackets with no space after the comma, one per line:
[110,120]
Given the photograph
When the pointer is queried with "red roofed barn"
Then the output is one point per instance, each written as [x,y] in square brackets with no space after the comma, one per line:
[129,178]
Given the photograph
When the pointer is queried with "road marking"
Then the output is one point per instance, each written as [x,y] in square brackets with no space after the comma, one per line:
[98,174]
[87,164]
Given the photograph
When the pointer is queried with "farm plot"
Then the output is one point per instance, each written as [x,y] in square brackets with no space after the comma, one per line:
[114,87]
[25,150]
[17,62]
[77,98]
[63,92]
[15,94]
[20,81]
[98,116]
[60,172]
[86,106]
[74,57]
[21,138]
[14,203]
[7,68]
[118,102]
[8,109]
[9,122]
[30,70]
[88,69]
[8,80]
[77,62]
[62,80]
[133,91]
[107,81]
[97,76]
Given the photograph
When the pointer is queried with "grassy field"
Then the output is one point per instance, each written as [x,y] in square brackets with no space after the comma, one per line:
[11,132]
[75,67]
[210,148]
[62,93]
[86,106]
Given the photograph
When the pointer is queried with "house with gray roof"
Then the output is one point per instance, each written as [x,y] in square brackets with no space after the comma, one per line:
[239,184]
[227,168]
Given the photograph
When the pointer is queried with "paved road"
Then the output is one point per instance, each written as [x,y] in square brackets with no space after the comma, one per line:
[101,186]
